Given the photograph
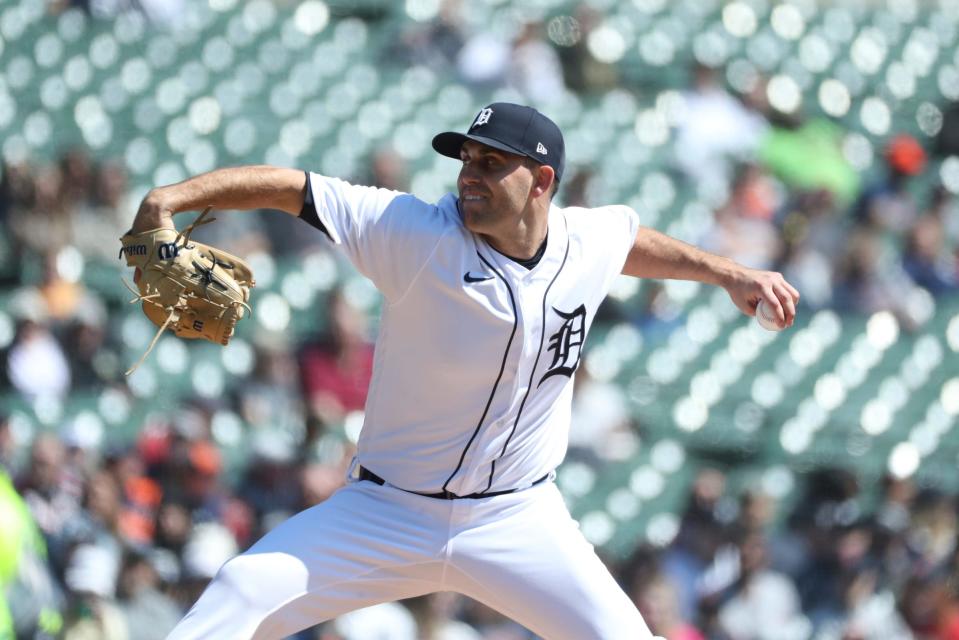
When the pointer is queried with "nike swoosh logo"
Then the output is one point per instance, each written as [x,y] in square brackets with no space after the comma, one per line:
[469,278]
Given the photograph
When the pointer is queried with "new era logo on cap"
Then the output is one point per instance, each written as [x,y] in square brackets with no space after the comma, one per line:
[513,128]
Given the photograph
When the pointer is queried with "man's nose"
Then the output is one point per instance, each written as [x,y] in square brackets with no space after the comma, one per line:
[468,175]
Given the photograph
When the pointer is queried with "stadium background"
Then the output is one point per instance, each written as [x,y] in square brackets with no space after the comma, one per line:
[742,484]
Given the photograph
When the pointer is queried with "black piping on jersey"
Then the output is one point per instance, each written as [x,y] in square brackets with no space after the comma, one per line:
[308,213]
[532,373]
[499,376]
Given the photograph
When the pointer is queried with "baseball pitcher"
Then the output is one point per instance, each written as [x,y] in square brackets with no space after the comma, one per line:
[489,295]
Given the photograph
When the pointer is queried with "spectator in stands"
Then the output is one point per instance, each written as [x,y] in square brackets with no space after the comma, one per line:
[764,604]
[91,576]
[807,155]
[100,518]
[149,612]
[575,190]
[83,441]
[887,204]
[658,602]
[173,525]
[36,364]
[870,278]
[701,532]
[866,610]
[77,183]
[190,474]
[535,69]
[141,495]
[743,227]
[388,170]
[716,131]
[52,505]
[928,257]
[434,44]
[336,368]
[209,546]
[483,61]
[582,72]
[95,221]
[930,608]
[16,188]
[812,238]
[91,353]
[757,512]
[270,485]
[16,201]
[600,427]
[42,225]
[64,297]
[934,529]
[827,508]
[200,487]
[270,400]
[30,600]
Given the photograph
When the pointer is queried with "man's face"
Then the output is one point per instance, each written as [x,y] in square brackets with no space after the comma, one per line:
[494,187]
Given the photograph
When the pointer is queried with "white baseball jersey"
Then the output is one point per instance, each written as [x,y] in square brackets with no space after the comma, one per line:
[471,393]
[472,378]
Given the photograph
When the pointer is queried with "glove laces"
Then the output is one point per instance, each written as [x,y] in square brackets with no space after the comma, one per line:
[185,235]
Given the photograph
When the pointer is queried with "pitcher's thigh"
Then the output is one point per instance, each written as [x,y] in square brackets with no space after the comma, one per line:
[354,550]
[537,568]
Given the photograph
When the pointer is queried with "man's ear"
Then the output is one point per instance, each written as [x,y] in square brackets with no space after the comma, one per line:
[544,176]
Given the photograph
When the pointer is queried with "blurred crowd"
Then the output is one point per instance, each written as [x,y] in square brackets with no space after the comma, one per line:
[105,539]
[831,571]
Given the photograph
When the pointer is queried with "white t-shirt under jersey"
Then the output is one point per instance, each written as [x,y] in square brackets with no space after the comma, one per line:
[472,375]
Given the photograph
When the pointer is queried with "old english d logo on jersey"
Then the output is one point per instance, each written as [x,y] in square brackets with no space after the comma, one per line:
[567,343]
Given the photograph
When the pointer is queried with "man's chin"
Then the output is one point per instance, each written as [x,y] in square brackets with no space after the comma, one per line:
[472,214]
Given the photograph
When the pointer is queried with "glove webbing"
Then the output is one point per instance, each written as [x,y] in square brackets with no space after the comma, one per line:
[172,314]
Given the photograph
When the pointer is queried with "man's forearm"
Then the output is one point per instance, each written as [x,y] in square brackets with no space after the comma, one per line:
[253,187]
[656,255]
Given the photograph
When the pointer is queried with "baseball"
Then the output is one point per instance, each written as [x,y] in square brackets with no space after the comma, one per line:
[766,318]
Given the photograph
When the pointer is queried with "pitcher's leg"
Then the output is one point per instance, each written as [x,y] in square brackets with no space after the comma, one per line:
[361,547]
[533,565]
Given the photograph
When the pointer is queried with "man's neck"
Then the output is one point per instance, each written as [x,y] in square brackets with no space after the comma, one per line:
[524,240]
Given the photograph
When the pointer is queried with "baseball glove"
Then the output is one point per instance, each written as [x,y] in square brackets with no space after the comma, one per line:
[196,290]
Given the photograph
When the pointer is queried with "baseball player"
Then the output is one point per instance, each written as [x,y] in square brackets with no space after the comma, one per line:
[488,297]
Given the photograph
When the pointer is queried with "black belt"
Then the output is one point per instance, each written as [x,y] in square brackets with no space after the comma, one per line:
[366,474]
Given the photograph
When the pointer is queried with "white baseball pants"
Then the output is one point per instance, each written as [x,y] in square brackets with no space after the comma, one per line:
[521,554]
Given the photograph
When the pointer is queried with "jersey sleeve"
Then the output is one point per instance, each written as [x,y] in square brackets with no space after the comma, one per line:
[387,235]
[623,226]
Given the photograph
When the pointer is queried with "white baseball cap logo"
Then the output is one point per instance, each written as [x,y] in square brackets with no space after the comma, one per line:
[540,148]
[483,117]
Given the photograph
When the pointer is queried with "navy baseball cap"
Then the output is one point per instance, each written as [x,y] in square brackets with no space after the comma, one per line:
[513,128]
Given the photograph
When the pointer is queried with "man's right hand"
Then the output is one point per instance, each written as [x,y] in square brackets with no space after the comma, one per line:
[153,214]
